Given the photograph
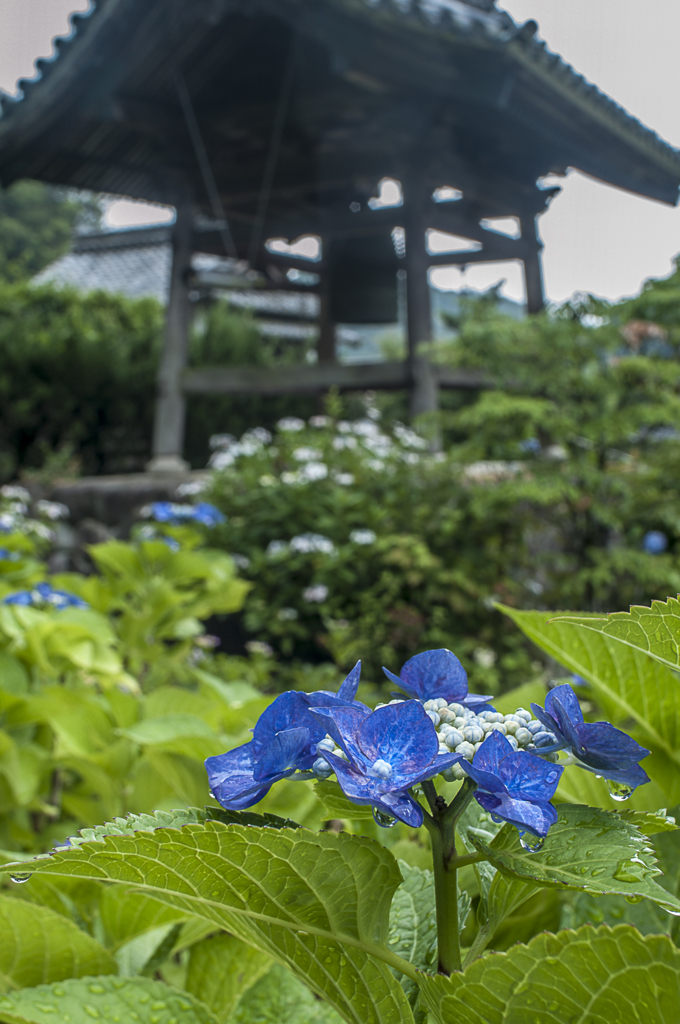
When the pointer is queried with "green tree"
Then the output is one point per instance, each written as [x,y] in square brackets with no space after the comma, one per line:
[36,226]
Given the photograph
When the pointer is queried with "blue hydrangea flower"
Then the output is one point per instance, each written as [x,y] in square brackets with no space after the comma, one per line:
[388,750]
[175,515]
[514,786]
[284,741]
[597,746]
[43,594]
[437,674]
[654,542]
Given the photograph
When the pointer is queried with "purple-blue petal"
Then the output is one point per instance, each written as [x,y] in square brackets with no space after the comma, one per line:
[545,719]
[342,724]
[634,775]
[231,779]
[440,764]
[563,705]
[401,734]
[523,814]
[530,777]
[290,710]
[290,749]
[492,751]
[436,673]
[348,690]
[486,781]
[362,789]
[608,746]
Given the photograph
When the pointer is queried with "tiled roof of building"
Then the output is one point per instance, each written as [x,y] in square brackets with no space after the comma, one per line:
[479,21]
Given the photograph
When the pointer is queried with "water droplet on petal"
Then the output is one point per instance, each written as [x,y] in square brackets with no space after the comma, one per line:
[382,819]
[618,791]
[531,843]
[551,776]
[19,879]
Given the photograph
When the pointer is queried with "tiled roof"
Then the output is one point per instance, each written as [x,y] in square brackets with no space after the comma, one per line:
[470,17]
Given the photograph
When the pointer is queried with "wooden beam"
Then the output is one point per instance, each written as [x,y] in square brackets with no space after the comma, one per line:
[168,434]
[300,380]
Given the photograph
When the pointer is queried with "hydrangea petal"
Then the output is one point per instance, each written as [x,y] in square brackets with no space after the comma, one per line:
[436,673]
[231,779]
[342,724]
[362,789]
[401,734]
[286,751]
[492,751]
[348,690]
[523,814]
[529,776]
[606,745]
[290,710]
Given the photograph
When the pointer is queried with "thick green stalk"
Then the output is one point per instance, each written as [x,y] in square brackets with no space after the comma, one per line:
[446,894]
[441,824]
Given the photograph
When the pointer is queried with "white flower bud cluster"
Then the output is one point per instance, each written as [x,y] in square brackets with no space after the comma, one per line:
[463,731]
[321,768]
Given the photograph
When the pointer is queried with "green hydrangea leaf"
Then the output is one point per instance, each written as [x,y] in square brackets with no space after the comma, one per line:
[586,849]
[337,805]
[221,969]
[590,976]
[655,630]
[413,923]
[650,823]
[139,823]
[279,998]
[249,818]
[316,902]
[39,946]
[628,685]
[109,1000]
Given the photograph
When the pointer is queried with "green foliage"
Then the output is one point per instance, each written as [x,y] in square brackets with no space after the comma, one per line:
[655,630]
[629,687]
[222,968]
[586,849]
[79,371]
[78,379]
[280,999]
[579,976]
[40,946]
[107,999]
[328,925]
[36,225]
[420,582]
[587,414]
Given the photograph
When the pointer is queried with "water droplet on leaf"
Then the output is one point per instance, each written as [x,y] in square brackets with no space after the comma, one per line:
[530,842]
[382,819]
[618,791]
[633,899]
[19,879]
[627,871]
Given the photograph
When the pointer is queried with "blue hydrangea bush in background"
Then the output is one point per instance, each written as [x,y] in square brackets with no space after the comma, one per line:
[376,939]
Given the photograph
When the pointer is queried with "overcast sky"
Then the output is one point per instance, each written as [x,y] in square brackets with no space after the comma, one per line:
[597,238]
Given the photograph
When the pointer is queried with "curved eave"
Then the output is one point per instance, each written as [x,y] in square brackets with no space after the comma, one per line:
[657,164]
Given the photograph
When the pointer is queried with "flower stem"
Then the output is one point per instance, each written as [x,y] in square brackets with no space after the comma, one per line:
[441,824]
[446,895]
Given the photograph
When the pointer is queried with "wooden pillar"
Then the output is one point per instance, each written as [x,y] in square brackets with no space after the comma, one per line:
[533,271]
[168,435]
[326,344]
[424,390]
